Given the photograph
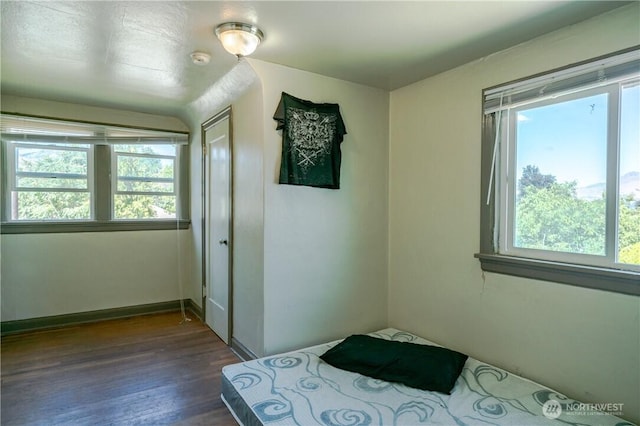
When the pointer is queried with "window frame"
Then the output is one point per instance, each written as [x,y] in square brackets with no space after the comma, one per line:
[12,178]
[102,219]
[520,263]
[509,168]
[116,178]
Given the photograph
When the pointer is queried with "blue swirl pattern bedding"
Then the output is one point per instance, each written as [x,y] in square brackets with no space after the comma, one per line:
[297,388]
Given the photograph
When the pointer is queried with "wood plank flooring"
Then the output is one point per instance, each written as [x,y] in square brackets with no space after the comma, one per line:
[146,370]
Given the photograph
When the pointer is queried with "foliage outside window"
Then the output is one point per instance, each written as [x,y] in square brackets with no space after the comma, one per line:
[144,181]
[562,181]
[50,181]
[98,177]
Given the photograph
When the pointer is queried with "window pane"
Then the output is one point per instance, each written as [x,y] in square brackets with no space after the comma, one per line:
[51,160]
[561,176]
[131,185]
[151,167]
[51,205]
[144,206]
[629,183]
[146,171]
[145,174]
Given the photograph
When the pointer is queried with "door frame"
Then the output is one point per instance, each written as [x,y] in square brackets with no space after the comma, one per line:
[207,125]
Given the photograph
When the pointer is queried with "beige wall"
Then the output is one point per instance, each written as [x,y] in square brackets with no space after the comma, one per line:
[585,343]
[248,220]
[70,111]
[54,274]
[325,251]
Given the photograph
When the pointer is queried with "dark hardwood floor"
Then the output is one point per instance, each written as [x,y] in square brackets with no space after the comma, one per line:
[146,370]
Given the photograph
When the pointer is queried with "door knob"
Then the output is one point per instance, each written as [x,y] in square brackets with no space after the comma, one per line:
[225,242]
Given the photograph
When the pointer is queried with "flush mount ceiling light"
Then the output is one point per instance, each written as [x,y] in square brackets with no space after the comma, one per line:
[239,39]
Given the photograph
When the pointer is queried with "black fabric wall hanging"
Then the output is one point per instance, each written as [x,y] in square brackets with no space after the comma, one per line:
[311,138]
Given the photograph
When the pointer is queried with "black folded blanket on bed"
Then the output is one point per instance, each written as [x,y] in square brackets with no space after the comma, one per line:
[419,366]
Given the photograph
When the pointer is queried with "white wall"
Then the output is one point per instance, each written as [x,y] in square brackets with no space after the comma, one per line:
[54,274]
[325,251]
[585,343]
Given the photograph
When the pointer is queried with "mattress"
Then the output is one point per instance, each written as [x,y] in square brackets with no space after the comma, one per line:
[297,388]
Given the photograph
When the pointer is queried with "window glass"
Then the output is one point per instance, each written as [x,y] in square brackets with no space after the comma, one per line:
[561,169]
[47,206]
[51,168]
[144,207]
[50,182]
[146,182]
[147,174]
[628,242]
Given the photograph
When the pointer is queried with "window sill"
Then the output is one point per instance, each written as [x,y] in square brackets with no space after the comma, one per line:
[70,227]
[618,281]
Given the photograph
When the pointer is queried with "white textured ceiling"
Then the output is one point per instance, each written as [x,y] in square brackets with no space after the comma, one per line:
[135,54]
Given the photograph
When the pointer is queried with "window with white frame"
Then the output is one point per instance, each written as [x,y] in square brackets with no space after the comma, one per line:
[144,181]
[59,173]
[50,181]
[561,185]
